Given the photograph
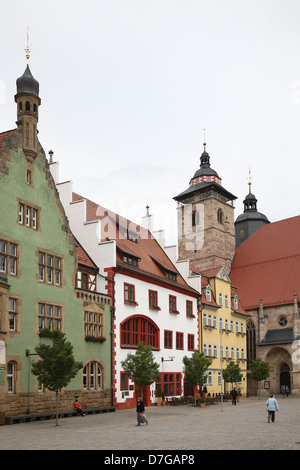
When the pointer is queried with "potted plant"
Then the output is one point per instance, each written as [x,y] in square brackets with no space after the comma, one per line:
[159,395]
[163,401]
[204,391]
[239,394]
[202,402]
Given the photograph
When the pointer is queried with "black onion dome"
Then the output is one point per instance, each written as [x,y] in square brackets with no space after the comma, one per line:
[205,169]
[27,83]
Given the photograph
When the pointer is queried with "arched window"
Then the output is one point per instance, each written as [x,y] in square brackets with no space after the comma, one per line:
[93,376]
[220,216]
[138,329]
[27,106]
[251,343]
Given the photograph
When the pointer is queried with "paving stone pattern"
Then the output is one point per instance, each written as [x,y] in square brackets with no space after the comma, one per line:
[184,428]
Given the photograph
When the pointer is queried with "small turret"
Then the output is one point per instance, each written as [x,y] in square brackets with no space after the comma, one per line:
[28,101]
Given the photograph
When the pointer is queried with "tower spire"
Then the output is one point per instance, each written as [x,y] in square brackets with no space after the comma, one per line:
[27,48]
[249,180]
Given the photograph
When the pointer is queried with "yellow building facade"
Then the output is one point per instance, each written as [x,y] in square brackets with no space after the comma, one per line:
[222,330]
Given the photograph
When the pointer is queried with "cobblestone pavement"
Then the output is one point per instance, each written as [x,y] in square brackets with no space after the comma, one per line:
[181,428]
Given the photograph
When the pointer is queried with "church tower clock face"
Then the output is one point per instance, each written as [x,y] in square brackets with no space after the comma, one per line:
[205,216]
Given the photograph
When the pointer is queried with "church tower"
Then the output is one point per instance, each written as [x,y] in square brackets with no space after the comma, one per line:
[28,101]
[205,218]
[251,220]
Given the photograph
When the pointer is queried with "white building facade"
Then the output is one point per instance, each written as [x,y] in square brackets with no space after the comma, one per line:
[151,300]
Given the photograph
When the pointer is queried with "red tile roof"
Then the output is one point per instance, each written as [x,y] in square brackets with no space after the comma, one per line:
[152,258]
[84,258]
[267,265]
[3,135]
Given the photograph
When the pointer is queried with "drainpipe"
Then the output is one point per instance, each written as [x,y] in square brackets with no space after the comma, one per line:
[200,309]
[112,317]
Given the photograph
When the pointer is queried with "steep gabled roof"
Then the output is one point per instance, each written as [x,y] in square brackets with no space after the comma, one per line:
[3,135]
[135,241]
[267,265]
[84,259]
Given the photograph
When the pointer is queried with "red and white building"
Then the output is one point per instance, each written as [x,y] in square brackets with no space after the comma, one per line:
[152,302]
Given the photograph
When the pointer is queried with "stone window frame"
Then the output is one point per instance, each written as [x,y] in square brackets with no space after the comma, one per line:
[9,256]
[94,318]
[16,314]
[28,215]
[54,269]
[92,381]
[53,318]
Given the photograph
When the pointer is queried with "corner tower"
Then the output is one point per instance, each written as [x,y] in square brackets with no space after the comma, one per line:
[206,220]
[28,102]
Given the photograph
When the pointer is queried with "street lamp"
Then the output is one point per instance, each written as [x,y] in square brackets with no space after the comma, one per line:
[221,359]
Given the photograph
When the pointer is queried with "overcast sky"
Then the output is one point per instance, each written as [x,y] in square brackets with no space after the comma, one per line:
[127,87]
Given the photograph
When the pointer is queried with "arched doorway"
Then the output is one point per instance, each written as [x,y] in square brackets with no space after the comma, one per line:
[280,363]
[285,377]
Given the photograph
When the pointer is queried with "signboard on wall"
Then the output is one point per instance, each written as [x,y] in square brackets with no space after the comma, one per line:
[2,353]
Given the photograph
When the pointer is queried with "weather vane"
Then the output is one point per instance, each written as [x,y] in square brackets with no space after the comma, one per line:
[249,178]
[27,48]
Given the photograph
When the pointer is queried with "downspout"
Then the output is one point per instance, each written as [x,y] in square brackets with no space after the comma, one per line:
[200,309]
[112,317]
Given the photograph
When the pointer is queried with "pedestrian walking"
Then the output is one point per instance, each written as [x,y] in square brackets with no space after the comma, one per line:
[287,391]
[282,390]
[78,408]
[272,406]
[233,394]
[140,410]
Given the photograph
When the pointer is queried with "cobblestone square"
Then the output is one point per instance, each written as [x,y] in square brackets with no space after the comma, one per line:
[176,428]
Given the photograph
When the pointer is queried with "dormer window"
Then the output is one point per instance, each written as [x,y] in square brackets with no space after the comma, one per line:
[130,235]
[166,269]
[208,294]
[170,275]
[236,302]
[131,260]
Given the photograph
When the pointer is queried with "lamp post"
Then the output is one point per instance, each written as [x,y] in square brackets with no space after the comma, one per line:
[221,360]
[28,354]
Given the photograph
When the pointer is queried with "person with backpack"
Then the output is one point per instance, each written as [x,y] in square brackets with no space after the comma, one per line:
[140,410]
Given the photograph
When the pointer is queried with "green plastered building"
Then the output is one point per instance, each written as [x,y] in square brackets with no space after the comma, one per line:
[47,281]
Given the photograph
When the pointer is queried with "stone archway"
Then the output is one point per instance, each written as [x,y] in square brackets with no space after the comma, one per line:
[285,375]
[280,362]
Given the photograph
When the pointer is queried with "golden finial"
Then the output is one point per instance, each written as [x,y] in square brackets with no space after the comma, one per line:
[27,48]
[204,141]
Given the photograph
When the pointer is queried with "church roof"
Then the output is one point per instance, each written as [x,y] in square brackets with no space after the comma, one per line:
[267,265]
[281,336]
